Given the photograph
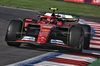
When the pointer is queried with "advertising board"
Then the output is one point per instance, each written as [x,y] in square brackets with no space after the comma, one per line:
[69,0]
[77,1]
[96,2]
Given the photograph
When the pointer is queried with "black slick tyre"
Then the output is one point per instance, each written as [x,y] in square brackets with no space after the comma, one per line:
[87,35]
[14,27]
[76,38]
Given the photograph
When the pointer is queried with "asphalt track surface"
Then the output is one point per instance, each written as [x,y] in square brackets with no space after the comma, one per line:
[9,55]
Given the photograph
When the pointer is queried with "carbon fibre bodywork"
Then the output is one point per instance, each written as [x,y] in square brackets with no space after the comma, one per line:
[57,29]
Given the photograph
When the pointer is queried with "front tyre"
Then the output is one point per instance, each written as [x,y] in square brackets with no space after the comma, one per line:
[14,27]
[76,38]
[87,35]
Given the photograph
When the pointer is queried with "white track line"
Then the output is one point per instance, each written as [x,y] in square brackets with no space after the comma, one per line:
[31,59]
[48,63]
[95,46]
[93,24]
[19,9]
[91,52]
[92,41]
[97,31]
[96,37]
[97,34]
[78,58]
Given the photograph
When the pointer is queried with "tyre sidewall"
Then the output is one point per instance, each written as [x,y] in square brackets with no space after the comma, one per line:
[75,38]
[14,27]
[87,35]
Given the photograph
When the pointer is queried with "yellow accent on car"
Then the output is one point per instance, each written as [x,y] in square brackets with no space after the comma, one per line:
[53,8]
[45,30]
[25,29]
[41,39]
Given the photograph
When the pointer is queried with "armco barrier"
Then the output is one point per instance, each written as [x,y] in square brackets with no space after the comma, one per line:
[95,2]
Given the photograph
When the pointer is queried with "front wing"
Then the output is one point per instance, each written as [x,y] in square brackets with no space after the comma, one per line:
[41,44]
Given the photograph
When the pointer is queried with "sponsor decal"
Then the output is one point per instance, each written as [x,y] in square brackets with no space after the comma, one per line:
[63,16]
[45,34]
[57,41]
[41,39]
[28,38]
[48,14]
[47,26]
[45,30]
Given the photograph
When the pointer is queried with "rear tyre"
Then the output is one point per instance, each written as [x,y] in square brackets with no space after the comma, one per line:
[76,38]
[14,27]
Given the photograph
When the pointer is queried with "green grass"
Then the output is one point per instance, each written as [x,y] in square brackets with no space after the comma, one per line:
[64,7]
[95,63]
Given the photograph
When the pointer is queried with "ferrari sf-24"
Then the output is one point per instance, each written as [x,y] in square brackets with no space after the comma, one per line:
[50,29]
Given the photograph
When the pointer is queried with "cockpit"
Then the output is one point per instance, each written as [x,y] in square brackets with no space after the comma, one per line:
[50,20]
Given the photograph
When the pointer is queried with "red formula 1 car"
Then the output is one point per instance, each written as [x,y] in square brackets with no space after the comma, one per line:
[49,29]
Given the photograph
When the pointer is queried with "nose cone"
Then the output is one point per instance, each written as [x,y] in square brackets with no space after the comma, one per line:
[44,33]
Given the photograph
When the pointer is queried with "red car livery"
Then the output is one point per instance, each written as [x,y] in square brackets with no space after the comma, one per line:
[49,29]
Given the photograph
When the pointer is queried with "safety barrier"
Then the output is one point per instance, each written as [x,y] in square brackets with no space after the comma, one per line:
[95,2]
